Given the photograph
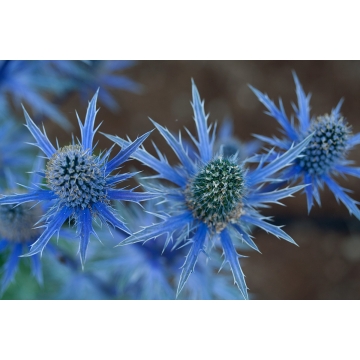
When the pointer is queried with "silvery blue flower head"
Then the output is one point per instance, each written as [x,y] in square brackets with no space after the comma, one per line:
[17,233]
[213,199]
[147,270]
[326,154]
[79,183]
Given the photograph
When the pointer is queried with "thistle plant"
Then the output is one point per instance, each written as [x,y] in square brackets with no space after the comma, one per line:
[212,199]
[326,154]
[77,183]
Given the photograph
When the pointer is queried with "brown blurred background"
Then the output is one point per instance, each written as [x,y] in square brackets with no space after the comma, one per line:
[326,265]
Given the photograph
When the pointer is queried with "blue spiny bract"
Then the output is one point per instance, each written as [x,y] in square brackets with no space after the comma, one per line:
[214,194]
[326,154]
[213,200]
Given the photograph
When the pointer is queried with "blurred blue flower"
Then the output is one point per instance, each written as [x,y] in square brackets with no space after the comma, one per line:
[79,183]
[12,146]
[87,76]
[17,232]
[28,81]
[229,145]
[212,197]
[148,270]
[326,154]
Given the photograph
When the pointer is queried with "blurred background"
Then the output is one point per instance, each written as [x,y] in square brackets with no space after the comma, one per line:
[326,265]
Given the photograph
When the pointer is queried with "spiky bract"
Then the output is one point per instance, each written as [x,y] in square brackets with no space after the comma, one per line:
[187,204]
[326,154]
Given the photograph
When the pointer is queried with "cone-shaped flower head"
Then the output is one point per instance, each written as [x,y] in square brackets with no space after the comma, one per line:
[213,199]
[326,154]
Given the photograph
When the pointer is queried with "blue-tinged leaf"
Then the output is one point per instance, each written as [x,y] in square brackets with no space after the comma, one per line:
[246,237]
[164,169]
[85,229]
[191,258]
[273,196]
[168,226]
[200,118]
[232,257]
[129,195]
[37,195]
[303,110]
[52,227]
[106,215]
[87,130]
[280,116]
[36,268]
[177,148]
[340,194]
[11,266]
[42,141]
[125,153]
[261,174]
[275,230]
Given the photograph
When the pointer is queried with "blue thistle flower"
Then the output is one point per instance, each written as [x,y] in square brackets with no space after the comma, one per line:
[212,197]
[79,183]
[326,154]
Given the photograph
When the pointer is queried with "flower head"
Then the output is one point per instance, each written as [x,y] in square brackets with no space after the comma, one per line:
[78,183]
[326,154]
[212,198]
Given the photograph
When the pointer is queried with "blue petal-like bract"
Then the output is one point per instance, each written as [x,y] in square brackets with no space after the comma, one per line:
[275,230]
[125,153]
[164,169]
[201,125]
[104,213]
[37,195]
[42,142]
[85,229]
[191,258]
[168,226]
[231,256]
[87,130]
[52,227]
[128,195]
